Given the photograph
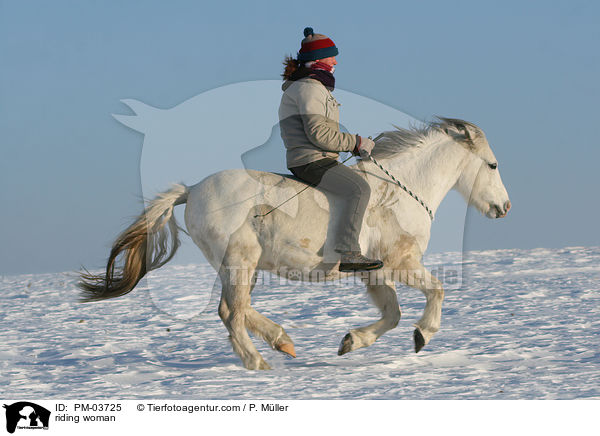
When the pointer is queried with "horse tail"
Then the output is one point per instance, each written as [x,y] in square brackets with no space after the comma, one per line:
[143,247]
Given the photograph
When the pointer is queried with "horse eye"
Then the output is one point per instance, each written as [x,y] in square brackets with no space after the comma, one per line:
[493,166]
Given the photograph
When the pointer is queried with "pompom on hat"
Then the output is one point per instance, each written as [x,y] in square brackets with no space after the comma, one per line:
[316,46]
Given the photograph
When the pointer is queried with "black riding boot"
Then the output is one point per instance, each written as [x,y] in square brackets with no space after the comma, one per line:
[354,261]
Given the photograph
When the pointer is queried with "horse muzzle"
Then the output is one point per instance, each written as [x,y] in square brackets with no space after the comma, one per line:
[497,211]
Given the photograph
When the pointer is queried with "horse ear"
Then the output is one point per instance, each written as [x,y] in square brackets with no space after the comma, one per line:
[463,128]
[458,130]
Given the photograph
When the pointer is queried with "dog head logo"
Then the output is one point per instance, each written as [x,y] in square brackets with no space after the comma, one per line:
[26,415]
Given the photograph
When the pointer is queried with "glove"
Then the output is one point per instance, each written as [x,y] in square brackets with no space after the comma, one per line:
[365,147]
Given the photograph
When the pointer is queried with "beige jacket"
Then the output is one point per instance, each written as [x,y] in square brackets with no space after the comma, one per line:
[309,118]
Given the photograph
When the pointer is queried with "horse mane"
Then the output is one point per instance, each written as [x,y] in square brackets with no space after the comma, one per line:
[405,140]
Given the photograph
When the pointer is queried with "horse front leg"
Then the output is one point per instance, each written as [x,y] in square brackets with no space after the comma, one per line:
[416,276]
[384,297]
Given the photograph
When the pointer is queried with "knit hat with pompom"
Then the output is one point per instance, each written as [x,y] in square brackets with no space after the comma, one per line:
[316,46]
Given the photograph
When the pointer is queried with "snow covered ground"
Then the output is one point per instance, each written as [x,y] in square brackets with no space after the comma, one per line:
[524,325]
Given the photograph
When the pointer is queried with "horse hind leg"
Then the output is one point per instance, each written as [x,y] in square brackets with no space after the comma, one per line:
[233,310]
[385,298]
[237,273]
[271,332]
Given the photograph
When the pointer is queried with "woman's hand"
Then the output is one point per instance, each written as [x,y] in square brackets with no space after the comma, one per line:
[365,147]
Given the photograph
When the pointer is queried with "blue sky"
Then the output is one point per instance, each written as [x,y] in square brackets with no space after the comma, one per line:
[526,72]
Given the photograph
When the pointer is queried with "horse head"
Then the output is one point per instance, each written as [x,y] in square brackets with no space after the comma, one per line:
[480,182]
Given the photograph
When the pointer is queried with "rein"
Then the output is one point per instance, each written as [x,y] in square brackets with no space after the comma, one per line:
[408,191]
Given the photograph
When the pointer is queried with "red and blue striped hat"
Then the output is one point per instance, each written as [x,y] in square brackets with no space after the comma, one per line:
[316,46]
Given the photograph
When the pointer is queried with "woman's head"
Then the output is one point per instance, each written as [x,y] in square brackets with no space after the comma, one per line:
[315,47]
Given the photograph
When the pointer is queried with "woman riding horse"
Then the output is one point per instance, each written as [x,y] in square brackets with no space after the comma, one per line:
[309,121]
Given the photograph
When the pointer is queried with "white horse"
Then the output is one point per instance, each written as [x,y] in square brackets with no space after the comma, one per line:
[230,216]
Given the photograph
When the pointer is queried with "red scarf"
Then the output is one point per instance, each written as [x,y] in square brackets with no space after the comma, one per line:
[318,71]
[322,66]
[324,74]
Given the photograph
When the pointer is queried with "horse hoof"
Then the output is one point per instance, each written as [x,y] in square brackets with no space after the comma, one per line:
[287,349]
[257,365]
[264,366]
[346,345]
[419,340]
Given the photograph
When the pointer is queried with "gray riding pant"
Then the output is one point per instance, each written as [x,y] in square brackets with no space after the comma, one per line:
[348,187]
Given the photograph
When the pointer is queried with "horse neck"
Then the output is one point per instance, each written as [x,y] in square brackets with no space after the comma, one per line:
[432,170]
